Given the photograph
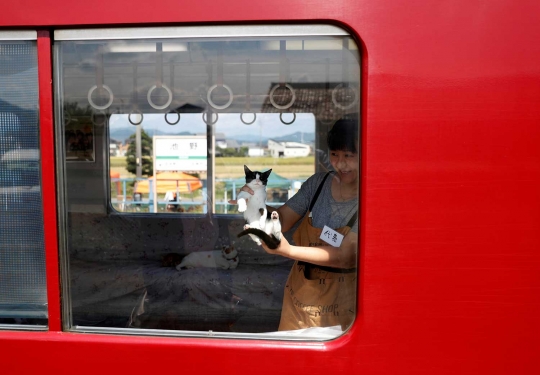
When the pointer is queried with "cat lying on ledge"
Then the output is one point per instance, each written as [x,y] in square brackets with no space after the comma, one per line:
[225,259]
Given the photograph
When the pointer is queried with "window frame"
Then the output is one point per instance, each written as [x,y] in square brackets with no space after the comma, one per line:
[47,173]
[148,33]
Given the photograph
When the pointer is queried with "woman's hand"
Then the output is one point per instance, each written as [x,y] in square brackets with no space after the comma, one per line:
[339,257]
[284,248]
[243,188]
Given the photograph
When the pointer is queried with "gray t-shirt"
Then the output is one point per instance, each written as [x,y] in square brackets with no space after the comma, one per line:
[326,211]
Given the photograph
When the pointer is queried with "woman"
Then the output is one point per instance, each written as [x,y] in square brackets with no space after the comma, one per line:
[321,287]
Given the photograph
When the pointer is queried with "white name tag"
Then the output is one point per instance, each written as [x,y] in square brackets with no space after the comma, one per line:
[331,237]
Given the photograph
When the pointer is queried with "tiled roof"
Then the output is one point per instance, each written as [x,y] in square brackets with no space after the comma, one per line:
[315,98]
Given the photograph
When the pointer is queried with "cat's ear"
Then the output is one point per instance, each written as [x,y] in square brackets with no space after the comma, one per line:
[267,173]
[246,169]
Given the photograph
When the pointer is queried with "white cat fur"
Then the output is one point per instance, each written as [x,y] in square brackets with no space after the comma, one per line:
[225,259]
[252,210]
[252,213]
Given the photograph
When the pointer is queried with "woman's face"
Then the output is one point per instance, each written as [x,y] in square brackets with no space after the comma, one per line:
[345,163]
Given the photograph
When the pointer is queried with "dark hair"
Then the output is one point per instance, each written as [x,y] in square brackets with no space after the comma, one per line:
[344,135]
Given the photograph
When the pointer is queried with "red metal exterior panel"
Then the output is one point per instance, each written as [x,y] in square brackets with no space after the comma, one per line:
[48,168]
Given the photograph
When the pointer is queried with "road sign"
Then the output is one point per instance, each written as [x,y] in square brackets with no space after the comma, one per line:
[180,153]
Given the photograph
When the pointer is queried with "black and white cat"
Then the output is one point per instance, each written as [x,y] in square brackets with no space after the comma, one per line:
[225,259]
[260,224]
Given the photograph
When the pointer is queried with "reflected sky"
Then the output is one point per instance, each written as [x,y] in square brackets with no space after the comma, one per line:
[267,125]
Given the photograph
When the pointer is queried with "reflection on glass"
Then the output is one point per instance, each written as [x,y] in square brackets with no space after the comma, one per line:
[180,160]
[172,123]
[23,293]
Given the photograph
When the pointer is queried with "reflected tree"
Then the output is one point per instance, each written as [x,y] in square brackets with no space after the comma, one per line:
[146,155]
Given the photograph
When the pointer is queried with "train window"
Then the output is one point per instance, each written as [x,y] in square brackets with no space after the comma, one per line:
[23,295]
[157,129]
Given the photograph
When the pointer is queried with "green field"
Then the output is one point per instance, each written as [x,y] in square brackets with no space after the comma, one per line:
[226,167]
[233,167]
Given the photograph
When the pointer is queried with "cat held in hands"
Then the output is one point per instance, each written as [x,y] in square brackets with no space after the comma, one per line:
[261,225]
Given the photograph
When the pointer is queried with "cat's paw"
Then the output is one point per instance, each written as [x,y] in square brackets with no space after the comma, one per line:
[242,206]
[256,239]
[246,226]
[262,222]
[276,225]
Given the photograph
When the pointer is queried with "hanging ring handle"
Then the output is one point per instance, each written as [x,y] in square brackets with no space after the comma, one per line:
[323,110]
[220,84]
[100,107]
[285,122]
[285,106]
[67,118]
[135,112]
[154,105]
[99,83]
[248,95]
[283,77]
[134,95]
[214,105]
[159,80]
[172,122]
[344,68]
[248,122]
[93,118]
[330,121]
[339,105]
[210,122]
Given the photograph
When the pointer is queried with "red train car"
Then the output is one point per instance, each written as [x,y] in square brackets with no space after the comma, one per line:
[99,101]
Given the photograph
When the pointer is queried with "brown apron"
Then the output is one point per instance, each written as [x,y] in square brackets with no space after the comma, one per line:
[317,296]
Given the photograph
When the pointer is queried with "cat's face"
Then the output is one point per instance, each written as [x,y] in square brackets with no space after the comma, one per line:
[255,178]
[171,260]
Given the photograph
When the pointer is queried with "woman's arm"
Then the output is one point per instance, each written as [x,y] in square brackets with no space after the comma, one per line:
[287,216]
[330,256]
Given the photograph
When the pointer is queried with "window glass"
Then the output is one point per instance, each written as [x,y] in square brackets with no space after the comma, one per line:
[190,113]
[23,295]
